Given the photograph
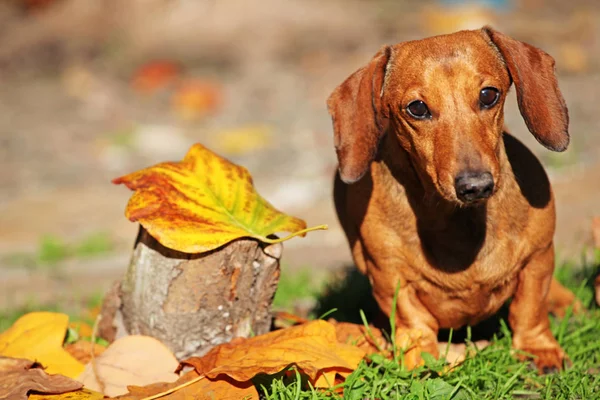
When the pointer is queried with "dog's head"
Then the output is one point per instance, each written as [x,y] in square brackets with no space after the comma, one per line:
[443,99]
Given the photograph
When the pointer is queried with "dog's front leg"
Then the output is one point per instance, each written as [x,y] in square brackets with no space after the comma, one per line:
[416,328]
[528,314]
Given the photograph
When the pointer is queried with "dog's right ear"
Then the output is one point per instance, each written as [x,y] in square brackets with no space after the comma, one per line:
[359,120]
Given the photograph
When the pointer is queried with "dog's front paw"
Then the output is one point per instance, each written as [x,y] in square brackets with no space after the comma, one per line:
[547,360]
[413,342]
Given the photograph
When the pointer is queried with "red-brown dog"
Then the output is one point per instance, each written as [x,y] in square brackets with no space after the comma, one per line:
[437,199]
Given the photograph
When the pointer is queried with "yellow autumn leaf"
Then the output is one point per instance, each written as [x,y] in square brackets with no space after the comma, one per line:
[82,394]
[38,336]
[202,203]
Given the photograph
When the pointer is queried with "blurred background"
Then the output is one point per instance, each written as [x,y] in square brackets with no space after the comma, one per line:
[94,89]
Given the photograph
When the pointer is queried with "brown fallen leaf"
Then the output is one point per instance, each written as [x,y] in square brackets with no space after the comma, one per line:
[457,352]
[82,350]
[312,347]
[203,389]
[370,340]
[131,360]
[39,336]
[284,319]
[19,376]
[82,329]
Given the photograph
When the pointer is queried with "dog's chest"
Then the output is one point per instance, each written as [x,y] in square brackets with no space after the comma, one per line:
[462,275]
[472,294]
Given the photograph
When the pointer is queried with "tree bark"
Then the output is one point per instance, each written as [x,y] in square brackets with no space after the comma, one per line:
[193,302]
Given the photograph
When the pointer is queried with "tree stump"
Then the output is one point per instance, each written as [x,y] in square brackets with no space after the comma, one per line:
[193,302]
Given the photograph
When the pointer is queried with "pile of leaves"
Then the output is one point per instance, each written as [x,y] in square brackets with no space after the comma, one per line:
[42,356]
[35,357]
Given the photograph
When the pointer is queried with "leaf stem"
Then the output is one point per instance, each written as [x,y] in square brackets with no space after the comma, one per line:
[174,389]
[302,232]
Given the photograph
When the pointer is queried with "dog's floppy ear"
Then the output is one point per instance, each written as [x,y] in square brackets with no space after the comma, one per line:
[359,120]
[540,101]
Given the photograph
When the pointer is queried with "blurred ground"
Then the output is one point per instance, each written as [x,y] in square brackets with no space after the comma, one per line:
[74,113]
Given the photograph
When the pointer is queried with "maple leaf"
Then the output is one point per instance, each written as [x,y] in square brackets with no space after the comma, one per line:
[19,376]
[202,203]
[312,347]
[38,336]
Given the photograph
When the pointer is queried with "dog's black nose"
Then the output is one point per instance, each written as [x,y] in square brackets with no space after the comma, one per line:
[471,186]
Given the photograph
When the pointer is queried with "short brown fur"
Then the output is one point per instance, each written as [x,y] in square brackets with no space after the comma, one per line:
[456,263]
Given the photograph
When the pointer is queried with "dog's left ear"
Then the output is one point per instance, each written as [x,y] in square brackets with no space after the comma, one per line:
[540,101]
[359,120]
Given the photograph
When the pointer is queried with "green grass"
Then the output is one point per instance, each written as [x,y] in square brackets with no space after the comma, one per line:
[53,250]
[300,286]
[492,373]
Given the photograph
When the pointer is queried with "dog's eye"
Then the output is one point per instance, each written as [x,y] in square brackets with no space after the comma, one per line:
[488,97]
[418,109]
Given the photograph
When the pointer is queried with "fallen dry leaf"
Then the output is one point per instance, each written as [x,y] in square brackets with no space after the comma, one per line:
[312,347]
[39,336]
[155,75]
[82,350]
[195,98]
[457,352]
[370,340]
[202,203]
[204,389]
[82,394]
[82,329]
[131,360]
[19,376]
[284,319]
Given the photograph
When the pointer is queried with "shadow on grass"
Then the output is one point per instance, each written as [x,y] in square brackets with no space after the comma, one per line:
[350,292]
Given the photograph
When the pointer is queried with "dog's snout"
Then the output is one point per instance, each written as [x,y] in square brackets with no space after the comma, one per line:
[471,186]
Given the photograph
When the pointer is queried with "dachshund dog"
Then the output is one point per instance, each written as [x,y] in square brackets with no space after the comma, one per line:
[440,203]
